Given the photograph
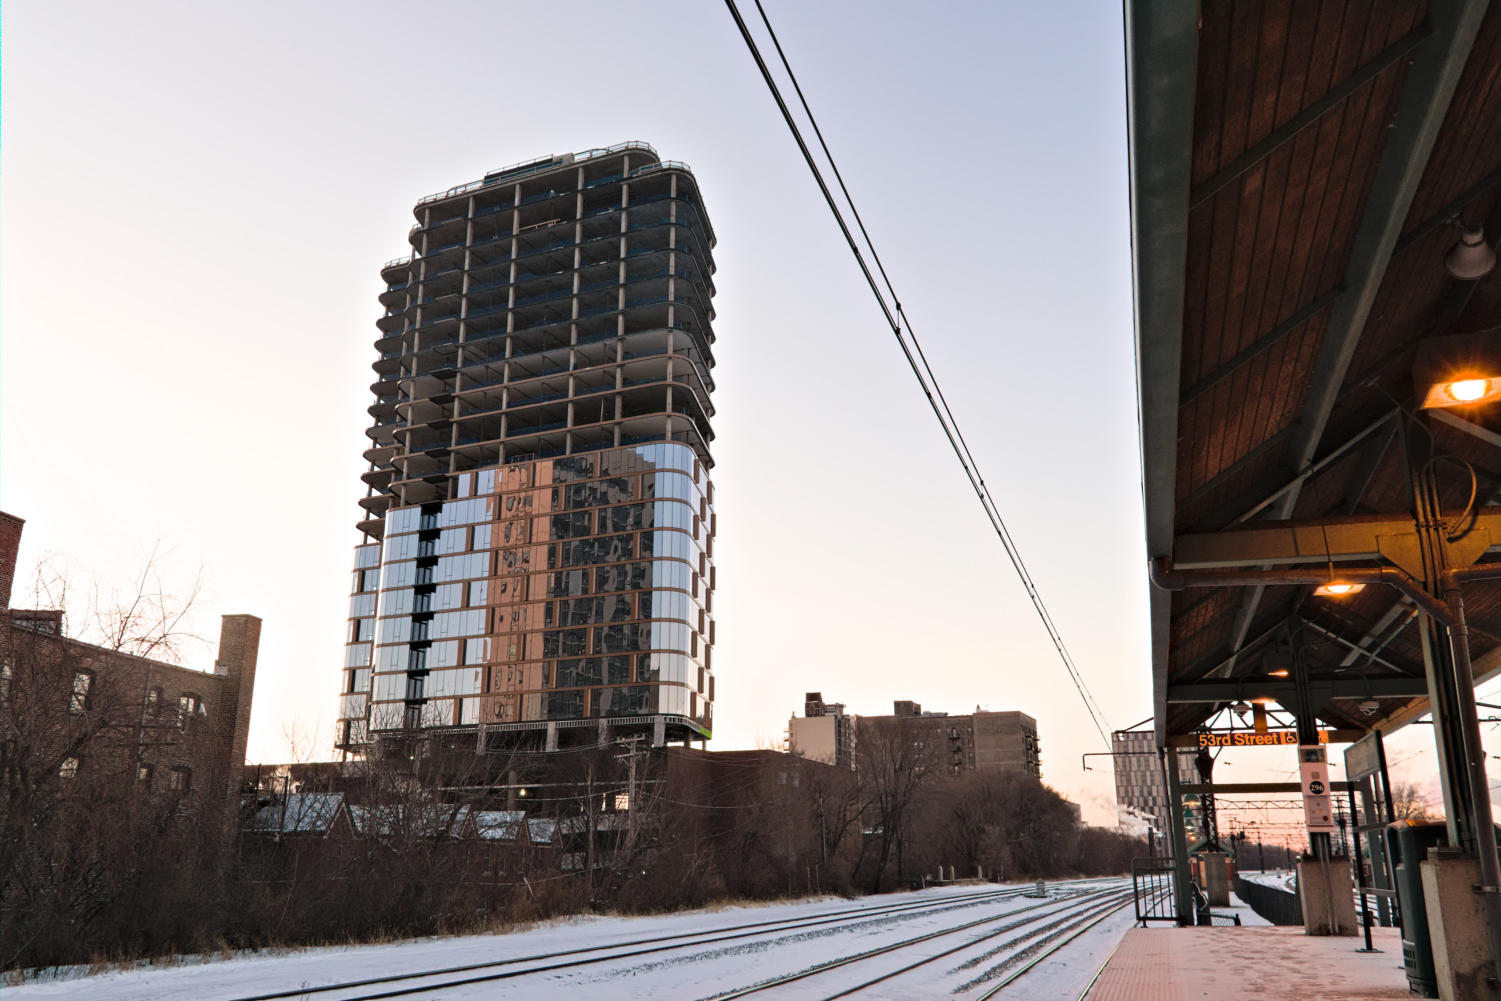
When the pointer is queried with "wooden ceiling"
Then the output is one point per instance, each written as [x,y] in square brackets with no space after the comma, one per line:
[1297,170]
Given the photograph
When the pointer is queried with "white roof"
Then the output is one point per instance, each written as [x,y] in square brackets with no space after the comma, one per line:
[299,813]
[498,825]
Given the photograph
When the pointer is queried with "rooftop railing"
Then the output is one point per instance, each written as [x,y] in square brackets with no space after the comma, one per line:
[527,167]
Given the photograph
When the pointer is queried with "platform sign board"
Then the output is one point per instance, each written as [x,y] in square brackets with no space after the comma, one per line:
[1370,812]
[1318,801]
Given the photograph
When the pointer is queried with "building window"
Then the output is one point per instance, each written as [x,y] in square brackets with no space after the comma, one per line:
[154,701]
[181,779]
[7,669]
[83,685]
[69,768]
[143,773]
[189,706]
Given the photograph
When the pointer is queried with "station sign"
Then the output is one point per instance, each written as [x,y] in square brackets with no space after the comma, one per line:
[1249,738]
[1318,801]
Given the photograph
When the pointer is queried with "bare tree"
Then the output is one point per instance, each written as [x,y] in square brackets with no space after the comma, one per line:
[1411,803]
[86,849]
[895,764]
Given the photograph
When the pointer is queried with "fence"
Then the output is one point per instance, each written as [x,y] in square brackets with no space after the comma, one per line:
[1274,904]
[1152,887]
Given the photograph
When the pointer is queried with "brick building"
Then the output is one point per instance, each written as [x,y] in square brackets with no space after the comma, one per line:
[90,714]
[973,742]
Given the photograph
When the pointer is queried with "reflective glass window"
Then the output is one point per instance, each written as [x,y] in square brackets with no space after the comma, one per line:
[402,519]
[448,596]
[443,654]
[399,547]
[477,651]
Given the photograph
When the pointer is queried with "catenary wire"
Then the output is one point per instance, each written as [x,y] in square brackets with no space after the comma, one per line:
[896,319]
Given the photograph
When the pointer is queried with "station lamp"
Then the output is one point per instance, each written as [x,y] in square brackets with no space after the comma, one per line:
[1460,370]
[1335,589]
[1278,672]
[1471,258]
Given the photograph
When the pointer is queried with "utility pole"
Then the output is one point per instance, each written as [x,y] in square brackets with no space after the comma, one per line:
[630,788]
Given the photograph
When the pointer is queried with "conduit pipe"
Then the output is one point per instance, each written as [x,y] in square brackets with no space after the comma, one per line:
[1165,577]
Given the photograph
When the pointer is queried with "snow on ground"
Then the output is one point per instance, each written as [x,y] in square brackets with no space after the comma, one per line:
[1279,878]
[1067,972]
[1248,917]
[689,973]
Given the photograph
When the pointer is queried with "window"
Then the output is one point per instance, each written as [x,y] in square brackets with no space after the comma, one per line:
[143,773]
[7,669]
[154,701]
[69,768]
[181,779]
[190,705]
[83,684]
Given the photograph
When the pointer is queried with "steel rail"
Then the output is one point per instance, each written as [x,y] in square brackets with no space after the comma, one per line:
[1068,919]
[893,947]
[702,937]
[1017,974]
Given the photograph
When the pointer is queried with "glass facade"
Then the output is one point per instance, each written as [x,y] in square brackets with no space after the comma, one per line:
[539,517]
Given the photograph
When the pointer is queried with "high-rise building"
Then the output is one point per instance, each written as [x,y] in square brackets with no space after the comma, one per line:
[539,521]
[1141,781]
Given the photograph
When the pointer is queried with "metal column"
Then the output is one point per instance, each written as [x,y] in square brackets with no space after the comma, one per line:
[1181,881]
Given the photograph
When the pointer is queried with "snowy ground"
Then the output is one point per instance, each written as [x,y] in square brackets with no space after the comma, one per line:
[1282,879]
[689,972]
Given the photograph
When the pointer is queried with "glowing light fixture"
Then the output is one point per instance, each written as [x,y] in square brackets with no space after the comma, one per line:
[1263,700]
[1280,672]
[1336,589]
[1459,370]
[1464,392]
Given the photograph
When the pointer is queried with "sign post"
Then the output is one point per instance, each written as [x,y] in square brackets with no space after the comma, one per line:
[1318,801]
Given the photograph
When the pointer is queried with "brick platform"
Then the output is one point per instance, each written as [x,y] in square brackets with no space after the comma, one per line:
[1250,964]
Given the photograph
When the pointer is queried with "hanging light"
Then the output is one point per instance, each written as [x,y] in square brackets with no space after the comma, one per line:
[1458,370]
[1471,257]
[1338,589]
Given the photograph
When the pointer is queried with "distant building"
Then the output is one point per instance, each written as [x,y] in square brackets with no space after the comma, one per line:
[825,732]
[974,742]
[110,719]
[1140,782]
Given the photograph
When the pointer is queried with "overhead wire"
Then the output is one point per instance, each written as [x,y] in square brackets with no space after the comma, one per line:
[897,320]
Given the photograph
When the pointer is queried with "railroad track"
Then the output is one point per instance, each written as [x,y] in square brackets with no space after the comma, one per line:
[1024,943]
[428,982]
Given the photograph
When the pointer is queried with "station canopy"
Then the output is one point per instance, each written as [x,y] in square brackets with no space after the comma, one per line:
[1300,173]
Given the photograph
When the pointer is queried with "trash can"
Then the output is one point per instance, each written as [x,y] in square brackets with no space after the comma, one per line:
[1407,845]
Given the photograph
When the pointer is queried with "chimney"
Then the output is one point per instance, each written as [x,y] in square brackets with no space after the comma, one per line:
[10,545]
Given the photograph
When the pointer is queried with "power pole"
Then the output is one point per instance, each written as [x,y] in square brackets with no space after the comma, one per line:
[629,755]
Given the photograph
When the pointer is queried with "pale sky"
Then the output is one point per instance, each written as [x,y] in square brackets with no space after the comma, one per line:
[195,200]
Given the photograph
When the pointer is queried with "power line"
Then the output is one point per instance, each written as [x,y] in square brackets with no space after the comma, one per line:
[897,319]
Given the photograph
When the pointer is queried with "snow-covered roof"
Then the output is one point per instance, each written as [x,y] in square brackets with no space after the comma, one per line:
[498,825]
[299,813]
[423,820]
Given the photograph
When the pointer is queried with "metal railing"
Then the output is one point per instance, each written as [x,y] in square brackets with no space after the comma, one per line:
[1152,890]
[527,167]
